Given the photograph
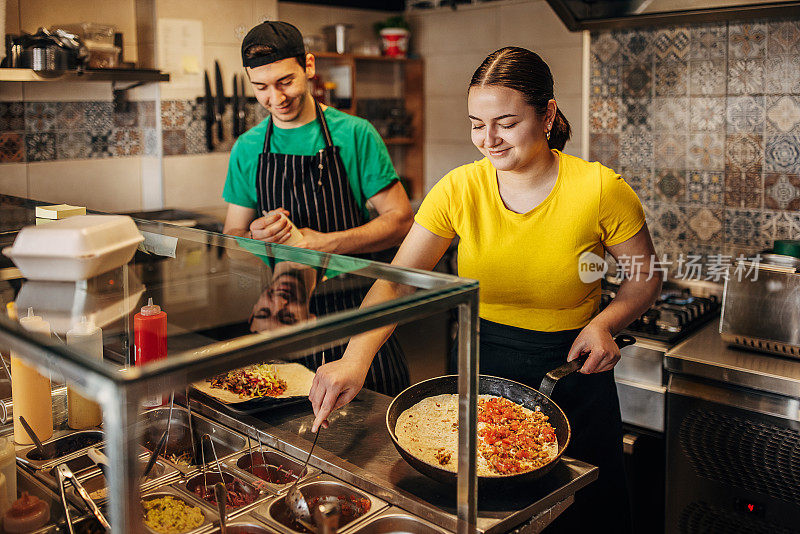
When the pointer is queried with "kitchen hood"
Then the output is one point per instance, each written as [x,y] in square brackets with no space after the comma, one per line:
[595,15]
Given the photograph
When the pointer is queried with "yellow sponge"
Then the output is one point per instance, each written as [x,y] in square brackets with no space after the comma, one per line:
[59,211]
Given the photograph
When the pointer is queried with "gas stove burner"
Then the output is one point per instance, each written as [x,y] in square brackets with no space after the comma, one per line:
[674,315]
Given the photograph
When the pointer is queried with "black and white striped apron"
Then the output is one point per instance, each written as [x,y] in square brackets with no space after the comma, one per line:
[317,194]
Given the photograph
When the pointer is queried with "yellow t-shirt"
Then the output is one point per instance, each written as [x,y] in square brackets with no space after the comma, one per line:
[528,263]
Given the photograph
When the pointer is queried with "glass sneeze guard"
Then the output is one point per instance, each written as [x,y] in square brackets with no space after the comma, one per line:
[230,302]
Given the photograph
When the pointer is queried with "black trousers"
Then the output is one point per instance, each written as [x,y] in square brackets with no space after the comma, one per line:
[592,408]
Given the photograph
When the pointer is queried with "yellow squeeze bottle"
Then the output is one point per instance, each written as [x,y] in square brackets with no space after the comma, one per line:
[30,390]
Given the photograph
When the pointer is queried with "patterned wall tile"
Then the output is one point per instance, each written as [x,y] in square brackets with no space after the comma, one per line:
[12,147]
[99,117]
[744,227]
[604,80]
[604,114]
[707,114]
[637,113]
[671,114]
[709,42]
[707,77]
[669,223]
[671,78]
[636,148]
[40,146]
[782,74]
[71,115]
[73,145]
[745,76]
[782,191]
[706,151]
[173,142]
[604,147]
[640,180]
[150,143]
[635,46]
[12,116]
[744,153]
[779,225]
[128,116]
[40,116]
[605,48]
[783,154]
[671,43]
[670,185]
[783,114]
[637,79]
[175,114]
[670,151]
[126,142]
[100,144]
[706,188]
[147,114]
[706,224]
[784,38]
[743,190]
[745,114]
[747,40]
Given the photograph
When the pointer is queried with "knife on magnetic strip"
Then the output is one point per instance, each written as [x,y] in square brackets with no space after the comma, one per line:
[220,100]
[235,106]
[209,113]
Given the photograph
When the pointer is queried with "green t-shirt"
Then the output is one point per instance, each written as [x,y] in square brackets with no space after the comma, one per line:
[365,158]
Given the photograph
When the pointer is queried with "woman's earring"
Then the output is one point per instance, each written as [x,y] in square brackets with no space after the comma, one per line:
[548,135]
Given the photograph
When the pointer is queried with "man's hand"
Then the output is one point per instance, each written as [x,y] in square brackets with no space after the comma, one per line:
[319,241]
[598,342]
[271,228]
[335,384]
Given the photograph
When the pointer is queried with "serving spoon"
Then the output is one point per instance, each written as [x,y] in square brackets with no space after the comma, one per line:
[294,498]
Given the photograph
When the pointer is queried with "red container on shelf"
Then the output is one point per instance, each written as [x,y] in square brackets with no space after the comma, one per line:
[150,341]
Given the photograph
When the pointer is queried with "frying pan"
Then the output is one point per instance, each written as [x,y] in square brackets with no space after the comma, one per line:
[501,387]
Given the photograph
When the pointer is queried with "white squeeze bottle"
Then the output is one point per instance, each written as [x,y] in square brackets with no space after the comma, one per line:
[30,390]
[85,338]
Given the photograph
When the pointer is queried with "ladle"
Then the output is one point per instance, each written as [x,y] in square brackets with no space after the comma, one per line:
[33,436]
[294,498]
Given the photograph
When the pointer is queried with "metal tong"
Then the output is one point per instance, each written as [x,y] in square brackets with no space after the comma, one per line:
[294,498]
[161,442]
[64,473]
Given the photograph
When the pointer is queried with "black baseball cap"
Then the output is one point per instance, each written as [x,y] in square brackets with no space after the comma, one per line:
[283,39]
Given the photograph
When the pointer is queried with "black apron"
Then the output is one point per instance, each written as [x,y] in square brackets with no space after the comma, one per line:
[592,408]
[317,194]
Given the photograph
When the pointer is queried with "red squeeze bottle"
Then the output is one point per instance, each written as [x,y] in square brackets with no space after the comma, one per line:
[150,341]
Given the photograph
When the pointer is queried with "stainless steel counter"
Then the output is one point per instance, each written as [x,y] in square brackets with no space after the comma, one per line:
[706,355]
[357,449]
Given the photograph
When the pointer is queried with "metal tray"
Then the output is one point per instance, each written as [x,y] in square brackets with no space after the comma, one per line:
[245,484]
[226,442]
[209,515]
[160,473]
[30,454]
[247,524]
[394,521]
[276,513]
[275,458]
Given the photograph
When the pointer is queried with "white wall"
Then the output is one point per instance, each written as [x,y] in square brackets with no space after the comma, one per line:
[453,44]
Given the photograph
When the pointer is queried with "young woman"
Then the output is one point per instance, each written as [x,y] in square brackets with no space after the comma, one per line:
[529,217]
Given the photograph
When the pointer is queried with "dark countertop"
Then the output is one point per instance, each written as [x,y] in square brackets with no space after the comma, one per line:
[357,448]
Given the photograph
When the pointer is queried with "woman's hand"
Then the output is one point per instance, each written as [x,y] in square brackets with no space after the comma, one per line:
[335,384]
[272,228]
[596,341]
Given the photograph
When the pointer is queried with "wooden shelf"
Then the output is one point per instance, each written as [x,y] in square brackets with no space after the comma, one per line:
[99,75]
[359,57]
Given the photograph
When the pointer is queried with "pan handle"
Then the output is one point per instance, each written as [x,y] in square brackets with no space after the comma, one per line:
[549,381]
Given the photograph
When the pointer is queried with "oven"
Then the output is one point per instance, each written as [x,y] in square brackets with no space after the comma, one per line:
[734,459]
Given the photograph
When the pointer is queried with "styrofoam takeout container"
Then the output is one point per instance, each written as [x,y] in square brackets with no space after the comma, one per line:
[76,248]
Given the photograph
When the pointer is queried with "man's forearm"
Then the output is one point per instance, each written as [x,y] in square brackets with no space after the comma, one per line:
[385,231]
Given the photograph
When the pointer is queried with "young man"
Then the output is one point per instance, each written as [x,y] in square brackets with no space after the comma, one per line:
[316,167]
